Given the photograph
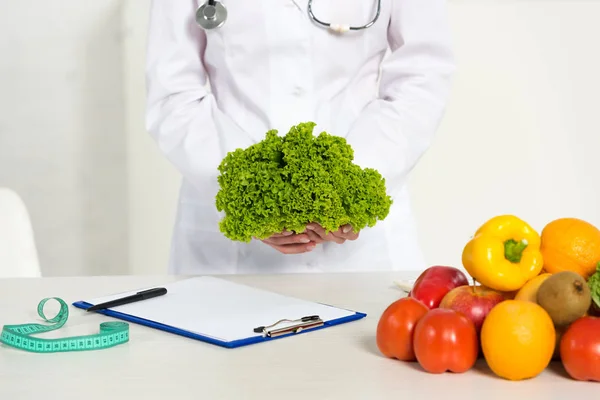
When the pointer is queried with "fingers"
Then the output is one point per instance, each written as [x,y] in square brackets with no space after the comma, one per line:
[290,243]
[283,234]
[281,240]
[339,236]
[328,237]
[346,232]
[314,237]
[293,248]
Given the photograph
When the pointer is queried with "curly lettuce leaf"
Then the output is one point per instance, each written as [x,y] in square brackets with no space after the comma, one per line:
[284,183]
[594,285]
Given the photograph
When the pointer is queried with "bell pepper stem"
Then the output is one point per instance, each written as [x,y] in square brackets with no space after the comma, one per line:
[513,250]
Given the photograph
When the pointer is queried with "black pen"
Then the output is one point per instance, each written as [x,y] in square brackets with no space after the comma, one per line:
[143,295]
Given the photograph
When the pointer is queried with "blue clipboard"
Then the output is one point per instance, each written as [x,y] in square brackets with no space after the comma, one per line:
[294,327]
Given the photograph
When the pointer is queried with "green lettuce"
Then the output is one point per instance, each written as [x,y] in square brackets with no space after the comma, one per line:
[285,182]
[594,285]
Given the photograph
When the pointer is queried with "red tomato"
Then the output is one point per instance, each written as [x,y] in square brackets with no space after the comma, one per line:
[395,328]
[580,349]
[445,340]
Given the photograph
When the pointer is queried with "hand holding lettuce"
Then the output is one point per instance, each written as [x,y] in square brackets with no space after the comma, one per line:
[283,184]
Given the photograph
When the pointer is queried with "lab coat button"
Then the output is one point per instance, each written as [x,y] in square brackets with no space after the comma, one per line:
[298,91]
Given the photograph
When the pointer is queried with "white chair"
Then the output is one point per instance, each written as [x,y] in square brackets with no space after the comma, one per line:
[18,253]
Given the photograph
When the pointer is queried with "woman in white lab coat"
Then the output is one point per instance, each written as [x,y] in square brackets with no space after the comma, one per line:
[270,66]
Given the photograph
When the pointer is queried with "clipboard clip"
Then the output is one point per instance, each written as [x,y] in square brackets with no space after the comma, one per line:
[298,326]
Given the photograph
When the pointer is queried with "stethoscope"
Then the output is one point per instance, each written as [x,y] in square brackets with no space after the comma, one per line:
[213,14]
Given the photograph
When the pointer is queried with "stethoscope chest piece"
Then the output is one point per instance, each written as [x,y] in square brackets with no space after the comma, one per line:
[211,15]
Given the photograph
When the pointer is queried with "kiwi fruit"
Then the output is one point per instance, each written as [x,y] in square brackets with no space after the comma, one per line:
[565,296]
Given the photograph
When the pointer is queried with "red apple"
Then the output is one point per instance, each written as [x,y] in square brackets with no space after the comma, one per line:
[435,282]
[473,301]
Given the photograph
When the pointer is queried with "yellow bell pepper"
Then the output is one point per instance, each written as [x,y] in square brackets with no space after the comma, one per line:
[503,254]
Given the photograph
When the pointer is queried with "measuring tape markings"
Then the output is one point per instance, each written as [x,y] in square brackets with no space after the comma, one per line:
[19,336]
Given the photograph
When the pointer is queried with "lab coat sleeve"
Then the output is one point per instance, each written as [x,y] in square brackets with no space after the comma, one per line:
[181,113]
[396,129]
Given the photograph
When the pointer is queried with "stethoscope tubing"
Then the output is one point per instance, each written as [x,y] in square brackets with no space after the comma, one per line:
[216,23]
[352,28]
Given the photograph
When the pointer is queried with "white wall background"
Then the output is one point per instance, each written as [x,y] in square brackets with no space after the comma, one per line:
[62,133]
[153,183]
[521,134]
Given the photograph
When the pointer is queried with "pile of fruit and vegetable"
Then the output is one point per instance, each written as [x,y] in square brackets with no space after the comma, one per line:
[533,298]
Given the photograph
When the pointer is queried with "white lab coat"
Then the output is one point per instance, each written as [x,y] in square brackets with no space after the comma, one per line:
[269,67]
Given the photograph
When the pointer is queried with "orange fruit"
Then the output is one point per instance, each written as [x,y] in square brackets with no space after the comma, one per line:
[518,339]
[570,244]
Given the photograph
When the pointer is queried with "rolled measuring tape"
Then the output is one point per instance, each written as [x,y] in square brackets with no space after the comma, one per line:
[19,336]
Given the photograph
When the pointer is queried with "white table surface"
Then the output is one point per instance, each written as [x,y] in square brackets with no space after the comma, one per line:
[340,362]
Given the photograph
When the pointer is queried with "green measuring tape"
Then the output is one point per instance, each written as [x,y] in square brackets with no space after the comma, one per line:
[19,336]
